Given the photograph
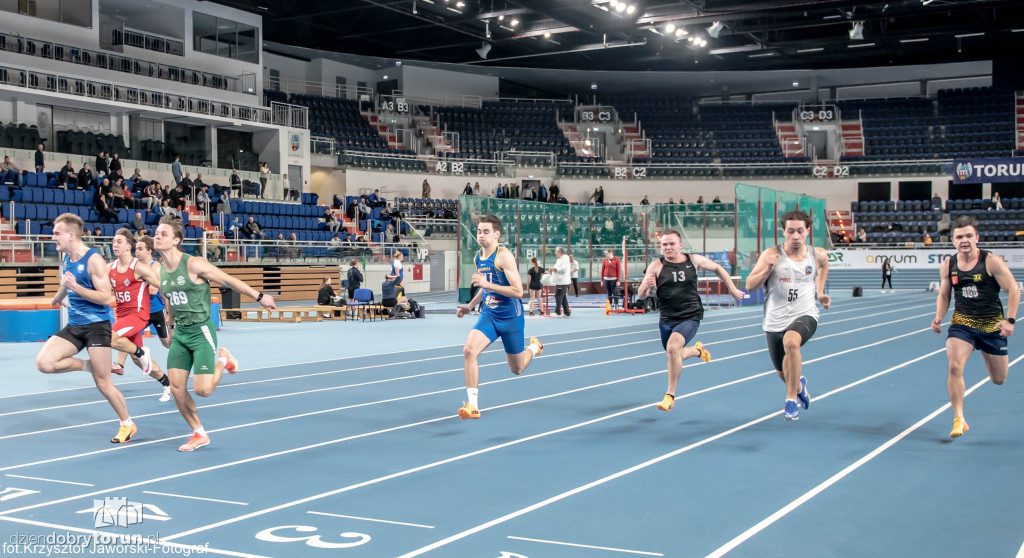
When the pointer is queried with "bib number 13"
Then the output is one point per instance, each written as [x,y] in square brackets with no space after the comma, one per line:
[793,295]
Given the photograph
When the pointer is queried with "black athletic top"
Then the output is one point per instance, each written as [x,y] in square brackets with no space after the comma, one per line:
[976,294]
[677,292]
[535,273]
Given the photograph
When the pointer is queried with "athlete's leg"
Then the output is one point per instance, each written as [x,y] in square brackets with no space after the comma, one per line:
[476,342]
[518,357]
[792,363]
[182,398]
[208,366]
[998,367]
[99,358]
[957,351]
[56,356]
[677,352]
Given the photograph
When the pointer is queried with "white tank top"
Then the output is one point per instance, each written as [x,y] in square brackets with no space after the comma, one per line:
[790,291]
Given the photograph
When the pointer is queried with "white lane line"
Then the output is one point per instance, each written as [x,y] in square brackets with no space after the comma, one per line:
[513,378]
[133,539]
[371,519]
[48,480]
[768,521]
[377,480]
[1020,553]
[641,466]
[587,546]
[195,498]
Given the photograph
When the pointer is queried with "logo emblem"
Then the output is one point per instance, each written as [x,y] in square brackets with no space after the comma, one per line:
[808,270]
[81,268]
[127,282]
[181,280]
[964,170]
[956,279]
[295,142]
[977,277]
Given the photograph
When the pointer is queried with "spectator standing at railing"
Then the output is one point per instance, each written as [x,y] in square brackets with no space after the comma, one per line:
[560,278]
[716,200]
[425,190]
[176,169]
[593,197]
[264,177]
[389,234]
[645,201]
[468,190]
[574,275]
[68,178]
[600,195]
[236,182]
[500,192]
[476,189]
[10,172]
[514,187]
[700,199]
[40,158]
[115,166]
[102,163]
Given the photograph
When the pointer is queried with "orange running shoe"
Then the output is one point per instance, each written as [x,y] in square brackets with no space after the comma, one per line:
[195,442]
[536,341]
[232,365]
[667,403]
[959,427]
[125,433]
[704,354]
[468,411]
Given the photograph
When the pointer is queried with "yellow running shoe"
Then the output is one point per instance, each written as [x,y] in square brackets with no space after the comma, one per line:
[125,433]
[195,442]
[232,365]
[468,411]
[667,403]
[959,427]
[704,354]
[536,341]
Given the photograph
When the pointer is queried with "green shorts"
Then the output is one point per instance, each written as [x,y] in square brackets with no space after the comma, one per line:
[194,345]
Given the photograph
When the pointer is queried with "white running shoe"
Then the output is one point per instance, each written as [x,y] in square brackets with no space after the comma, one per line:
[166,395]
[145,361]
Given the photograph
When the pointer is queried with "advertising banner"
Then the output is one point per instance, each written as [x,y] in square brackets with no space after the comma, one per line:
[924,258]
[992,170]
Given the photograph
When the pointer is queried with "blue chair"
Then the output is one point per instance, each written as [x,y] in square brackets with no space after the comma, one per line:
[361,302]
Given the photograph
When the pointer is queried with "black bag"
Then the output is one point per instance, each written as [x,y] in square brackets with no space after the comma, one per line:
[857,291]
[414,308]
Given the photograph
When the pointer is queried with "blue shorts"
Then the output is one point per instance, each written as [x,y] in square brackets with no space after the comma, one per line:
[509,329]
[989,343]
[687,329]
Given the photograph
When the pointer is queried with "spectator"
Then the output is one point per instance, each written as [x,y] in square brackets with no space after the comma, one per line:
[555,192]
[355,278]
[203,200]
[236,182]
[364,208]
[534,285]
[600,194]
[887,275]
[264,176]
[514,191]
[277,249]
[115,166]
[671,201]
[997,203]
[138,224]
[392,295]
[560,278]
[214,251]
[593,197]
[336,246]
[224,205]
[104,210]
[187,185]
[68,178]
[252,230]
[234,228]
[396,265]
[927,239]
[700,199]
[151,194]
[611,270]
[574,275]
[468,190]
[199,181]
[129,196]
[137,179]
[500,193]
[375,200]
[328,219]
[10,172]
[645,201]
[862,235]
[936,202]
[177,198]
[116,197]
[102,164]
[100,245]
[40,158]
[716,200]
[176,169]
[325,296]
[426,189]
[389,234]
[353,207]
[476,188]
[294,251]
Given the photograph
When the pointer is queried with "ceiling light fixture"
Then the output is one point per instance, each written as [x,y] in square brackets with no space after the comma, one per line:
[921,40]
[816,49]
[715,29]
[965,35]
[460,4]
[670,28]
[630,9]
[514,22]
[860,45]
[547,35]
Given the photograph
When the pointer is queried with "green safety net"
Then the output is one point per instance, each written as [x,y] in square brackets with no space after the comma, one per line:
[757,218]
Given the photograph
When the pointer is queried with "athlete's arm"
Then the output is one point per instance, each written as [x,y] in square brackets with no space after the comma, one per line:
[650,279]
[206,270]
[942,300]
[463,309]
[58,298]
[765,263]
[100,274]
[154,288]
[504,260]
[703,262]
[821,257]
[144,273]
[996,267]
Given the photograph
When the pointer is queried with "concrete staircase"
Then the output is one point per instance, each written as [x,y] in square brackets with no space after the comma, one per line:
[13,248]
[789,140]
[852,138]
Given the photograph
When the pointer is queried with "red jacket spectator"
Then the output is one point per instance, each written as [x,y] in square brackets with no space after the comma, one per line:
[611,267]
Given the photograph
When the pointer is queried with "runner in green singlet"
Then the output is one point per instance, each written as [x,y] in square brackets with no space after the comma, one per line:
[185,282]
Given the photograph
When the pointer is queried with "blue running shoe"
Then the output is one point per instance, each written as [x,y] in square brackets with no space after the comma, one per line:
[803,396]
[792,412]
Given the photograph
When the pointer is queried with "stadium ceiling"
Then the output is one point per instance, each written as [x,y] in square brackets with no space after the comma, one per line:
[663,35]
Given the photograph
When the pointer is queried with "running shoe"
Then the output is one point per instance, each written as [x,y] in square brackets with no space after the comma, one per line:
[166,395]
[959,427]
[803,396]
[232,365]
[145,361]
[792,412]
[536,341]
[125,433]
[468,411]
[195,442]
[667,403]
[117,369]
[704,354]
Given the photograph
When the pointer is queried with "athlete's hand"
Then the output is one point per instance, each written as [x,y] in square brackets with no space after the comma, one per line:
[479,280]
[1005,328]
[825,300]
[650,281]
[58,303]
[771,260]
[68,281]
[937,325]
[738,294]
[461,310]
[267,302]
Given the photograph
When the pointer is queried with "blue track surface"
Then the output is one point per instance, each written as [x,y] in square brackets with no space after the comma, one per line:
[364,456]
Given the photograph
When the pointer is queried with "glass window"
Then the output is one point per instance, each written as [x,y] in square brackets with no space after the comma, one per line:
[222,37]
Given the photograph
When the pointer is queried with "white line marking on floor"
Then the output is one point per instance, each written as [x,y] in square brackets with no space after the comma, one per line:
[195,498]
[371,519]
[766,522]
[641,466]
[587,546]
[48,480]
